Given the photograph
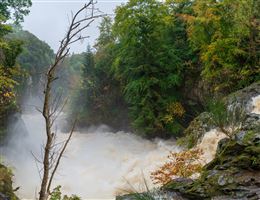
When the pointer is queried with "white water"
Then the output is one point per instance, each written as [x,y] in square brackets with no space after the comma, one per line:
[256,104]
[209,144]
[97,164]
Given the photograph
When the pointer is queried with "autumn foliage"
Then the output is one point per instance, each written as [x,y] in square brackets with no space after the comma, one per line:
[183,164]
[174,110]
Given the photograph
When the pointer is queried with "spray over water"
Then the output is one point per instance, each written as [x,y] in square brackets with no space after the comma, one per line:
[97,164]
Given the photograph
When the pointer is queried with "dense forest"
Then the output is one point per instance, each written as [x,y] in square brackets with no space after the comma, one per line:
[11,72]
[152,68]
[160,62]
[155,65]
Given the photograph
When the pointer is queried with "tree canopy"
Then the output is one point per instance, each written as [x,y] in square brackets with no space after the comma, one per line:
[153,65]
[160,57]
[226,34]
[14,10]
[9,50]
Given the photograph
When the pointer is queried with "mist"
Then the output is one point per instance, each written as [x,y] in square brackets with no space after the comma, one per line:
[98,163]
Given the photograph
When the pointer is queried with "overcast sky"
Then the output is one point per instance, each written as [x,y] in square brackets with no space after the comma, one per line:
[48,20]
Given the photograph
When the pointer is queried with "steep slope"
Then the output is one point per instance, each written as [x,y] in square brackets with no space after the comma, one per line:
[234,173]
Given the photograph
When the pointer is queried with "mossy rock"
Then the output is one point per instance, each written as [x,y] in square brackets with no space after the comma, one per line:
[234,173]
[196,130]
[204,123]
[244,96]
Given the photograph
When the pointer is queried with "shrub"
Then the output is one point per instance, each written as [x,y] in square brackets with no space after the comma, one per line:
[183,164]
[6,188]
[57,195]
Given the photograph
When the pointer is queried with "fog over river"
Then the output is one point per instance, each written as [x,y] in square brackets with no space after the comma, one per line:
[97,164]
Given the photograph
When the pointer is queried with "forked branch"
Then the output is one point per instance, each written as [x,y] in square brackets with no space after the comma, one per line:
[51,103]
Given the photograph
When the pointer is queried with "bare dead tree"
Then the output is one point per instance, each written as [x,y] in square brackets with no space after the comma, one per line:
[53,105]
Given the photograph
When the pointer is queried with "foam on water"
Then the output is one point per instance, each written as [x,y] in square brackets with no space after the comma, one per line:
[97,163]
[209,144]
[256,104]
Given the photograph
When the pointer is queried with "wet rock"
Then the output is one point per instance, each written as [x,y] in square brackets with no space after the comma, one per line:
[252,122]
[244,96]
[196,130]
[222,180]
[222,144]
[240,137]
[203,123]
[233,174]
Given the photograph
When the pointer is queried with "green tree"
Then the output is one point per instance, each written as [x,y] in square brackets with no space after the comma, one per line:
[57,195]
[105,34]
[81,102]
[226,34]
[34,59]
[111,105]
[14,9]
[9,73]
[149,65]
[9,50]
[100,96]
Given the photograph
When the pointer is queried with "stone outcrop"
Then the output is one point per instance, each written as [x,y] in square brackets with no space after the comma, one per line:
[233,174]
[203,123]
[196,130]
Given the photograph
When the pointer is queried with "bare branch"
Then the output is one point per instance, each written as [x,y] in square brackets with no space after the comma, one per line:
[80,38]
[60,155]
[51,154]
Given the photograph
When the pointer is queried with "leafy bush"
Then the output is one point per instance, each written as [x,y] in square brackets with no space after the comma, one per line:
[183,164]
[9,75]
[57,195]
[6,188]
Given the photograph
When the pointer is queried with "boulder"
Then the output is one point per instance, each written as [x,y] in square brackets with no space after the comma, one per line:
[203,123]
[196,130]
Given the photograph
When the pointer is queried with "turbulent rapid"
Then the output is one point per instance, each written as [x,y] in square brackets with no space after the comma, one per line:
[97,164]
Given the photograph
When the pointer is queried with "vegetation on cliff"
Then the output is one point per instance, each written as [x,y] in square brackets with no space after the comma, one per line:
[234,173]
[10,72]
[34,59]
[163,60]
[6,188]
[153,69]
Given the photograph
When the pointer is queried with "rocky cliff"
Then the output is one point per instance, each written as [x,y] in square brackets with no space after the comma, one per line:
[234,173]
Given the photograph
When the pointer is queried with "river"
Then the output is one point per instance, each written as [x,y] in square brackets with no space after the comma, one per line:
[98,163]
